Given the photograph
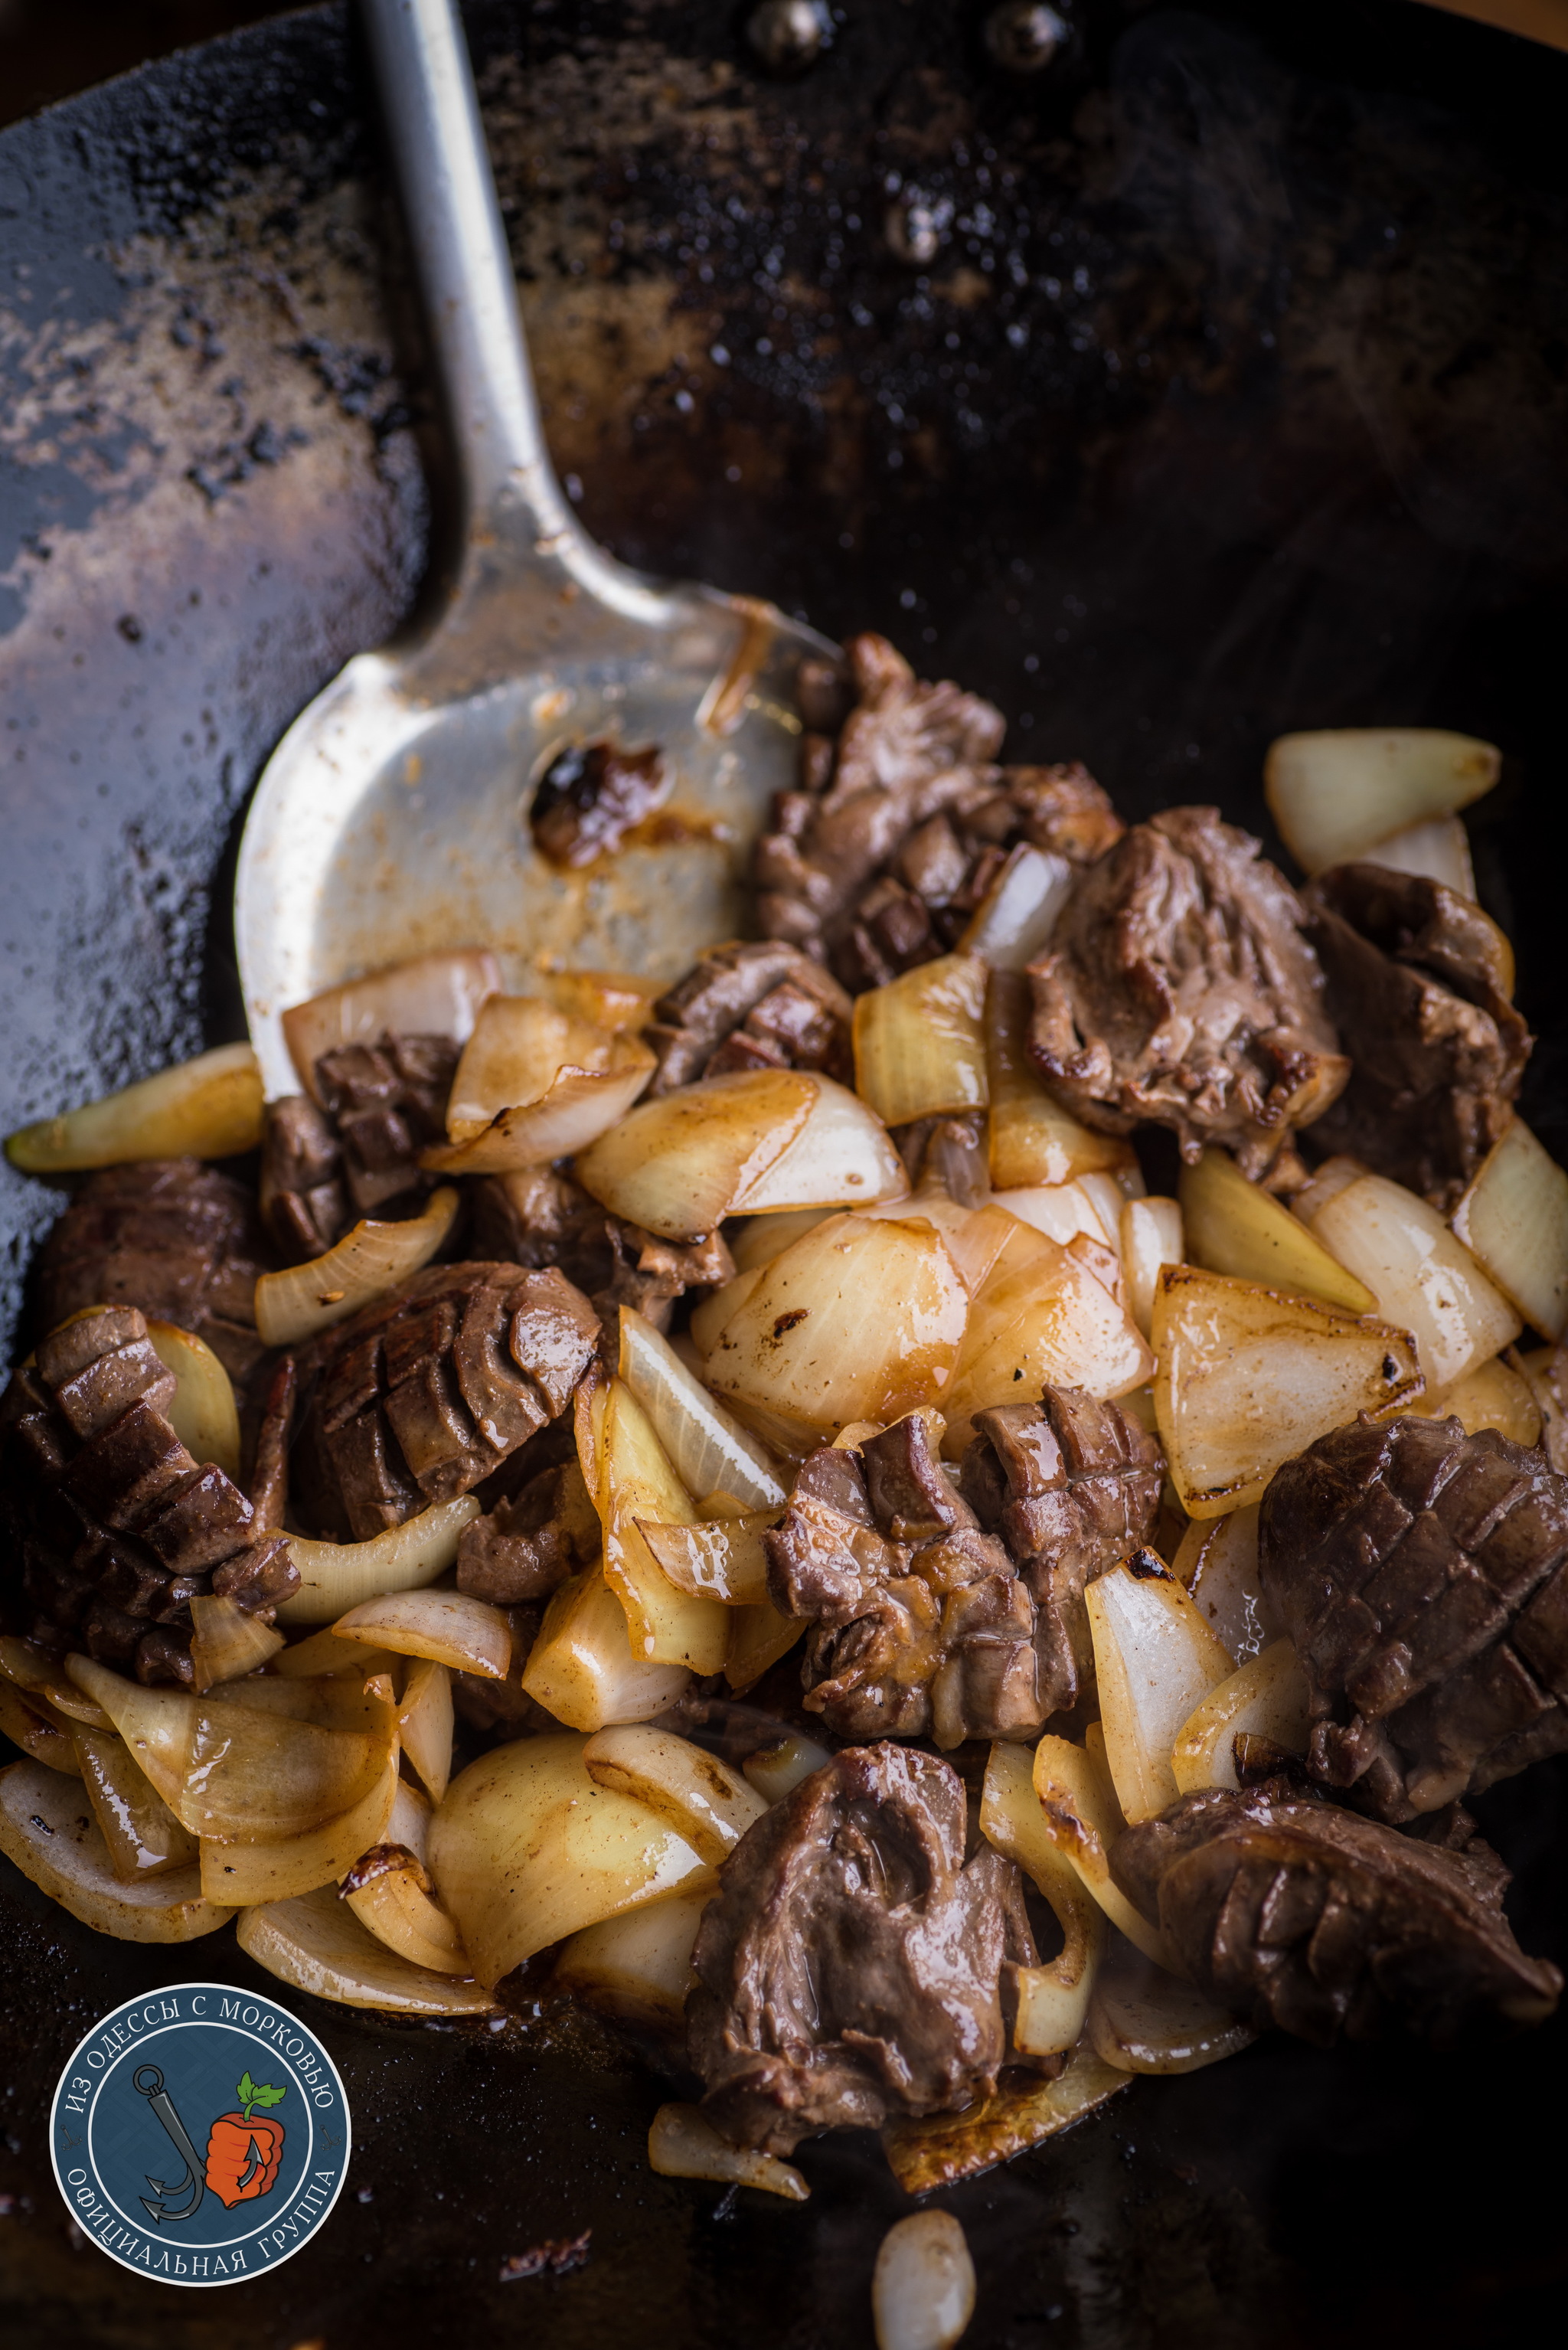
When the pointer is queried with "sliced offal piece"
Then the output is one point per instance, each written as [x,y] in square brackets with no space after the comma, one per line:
[1298,1914]
[1423,1576]
[763,1004]
[1181,987]
[1342,791]
[355,1149]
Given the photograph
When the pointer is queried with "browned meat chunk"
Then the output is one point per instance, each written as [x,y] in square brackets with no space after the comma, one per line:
[849,1970]
[590,796]
[898,828]
[114,1526]
[1071,1486]
[763,1007]
[1299,1914]
[424,1395]
[1180,988]
[354,1150]
[1418,984]
[523,1548]
[1423,1576]
[542,1217]
[304,1199]
[170,1236]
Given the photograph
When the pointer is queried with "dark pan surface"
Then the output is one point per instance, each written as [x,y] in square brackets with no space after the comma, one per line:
[1230,398]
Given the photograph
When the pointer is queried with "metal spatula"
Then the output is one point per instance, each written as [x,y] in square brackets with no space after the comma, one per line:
[392,819]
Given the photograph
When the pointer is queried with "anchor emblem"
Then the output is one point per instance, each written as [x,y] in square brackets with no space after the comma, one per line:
[148,2082]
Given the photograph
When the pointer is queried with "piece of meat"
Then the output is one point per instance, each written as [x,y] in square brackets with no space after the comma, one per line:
[1423,1576]
[1418,984]
[267,1484]
[850,1969]
[354,1150]
[1071,1485]
[304,1201]
[921,1625]
[1300,1914]
[764,1006]
[1179,987]
[541,1216]
[589,797]
[880,858]
[523,1547]
[425,1394]
[170,1236]
[113,1526]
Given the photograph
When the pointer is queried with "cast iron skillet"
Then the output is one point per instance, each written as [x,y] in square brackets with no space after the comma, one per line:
[1209,385]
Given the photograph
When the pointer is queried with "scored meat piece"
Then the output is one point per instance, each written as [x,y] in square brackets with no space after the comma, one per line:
[1299,1914]
[522,1549]
[1072,1485]
[425,1394]
[1179,987]
[170,1236]
[541,1217]
[879,860]
[849,1968]
[1418,983]
[1423,1576]
[759,1006]
[354,1150]
[589,797]
[114,1526]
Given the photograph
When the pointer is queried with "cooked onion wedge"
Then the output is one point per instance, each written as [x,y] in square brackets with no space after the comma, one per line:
[1334,794]
[666,1625]
[842,1157]
[27,1725]
[975,1238]
[1250,1376]
[141,1835]
[581,1099]
[448,1627]
[1061,1211]
[1155,1660]
[700,1797]
[1050,1322]
[1053,2000]
[762,1239]
[1217,1561]
[526,1849]
[943,2148]
[759,1636]
[919,1041]
[520,1045]
[922,2288]
[204,1414]
[1143,2019]
[249,1873]
[322,1656]
[1267,1698]
[1151,1237]
[433,996]
[680,1164]
[777,1770]
[335,1576]
[363,1264]
[1514,1222]
[638,1966]
[724,1561]
[225,1642]
[1424,1280]
[1083,1819]
[313,1941]
[710,1318]
[684,2144]
[708,1447]
[47,1828]
[37,1674]
[610,999]
[1439,850]
[1032,1138]
[210,1107]
[1491,1395]
[1015,919]
[393,1902]
[409,1822]
[1236,1227]
[581,1668]
[425,1724]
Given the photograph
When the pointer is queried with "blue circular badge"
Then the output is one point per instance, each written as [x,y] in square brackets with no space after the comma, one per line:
[200,2135]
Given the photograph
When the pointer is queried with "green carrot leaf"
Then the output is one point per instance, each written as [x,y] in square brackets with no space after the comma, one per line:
[267,2095]
[246,2092]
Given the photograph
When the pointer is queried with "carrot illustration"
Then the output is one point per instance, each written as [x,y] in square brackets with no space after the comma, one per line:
[244,2153]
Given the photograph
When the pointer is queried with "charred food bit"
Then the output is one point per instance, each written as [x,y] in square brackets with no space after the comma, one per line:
[355,1149]
[1180,988]
[1423,1576]
[878,861]
[114,1526]
[850,1969]
[1418,984]
[765,1005]
[589,797]
[1299,1914]
[170,1236]
[541,1217]
[423,1395]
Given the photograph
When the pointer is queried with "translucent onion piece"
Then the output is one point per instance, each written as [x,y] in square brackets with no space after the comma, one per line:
[322,1656]
[922,2289]
[1437,850]
[861,1319]
[610,999]
[684,2144]
[638,1482]
[707,1445]
[433,996]
[1236,1227]
[1015,919]
[336,1576]
[842,1157]
[1424,1280]
[724,1561]
[1143,2019]
[394,1906]
[710,1318]
[1060,1211]
[47,1828]
[765,1237]
[249,1873]
[1051,1321]
[1155,1660]
[374,1257]
[157,1725]
[225,1642]
[975,1238]
[680,1164]
[1151,1236]
[26,1725]
[1514,1220]
[210,1107]
[1266,1698]
[410,1822]
[1053,2000]
[945,2147]
[581,1668]
[759,1636]
[580,1105]
[315,1942]
[638,1966]
[919,1041]
[1491,1395]
[526,1849]
[204,1414]
[1217,1561]
[141,1835]
[776,1770]
[1334,1176]
[1334,794]
[344,1701]
[425,1724]
[519,1047]
[1032,1138]
[469,1635]
[1248,1377]
[706,1802]
[1085,1819]
[38,1673]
